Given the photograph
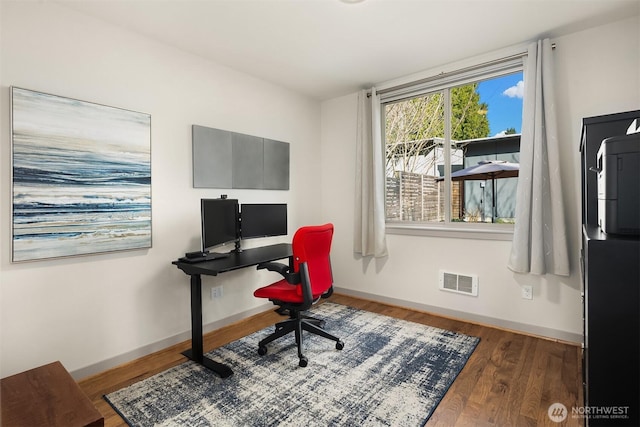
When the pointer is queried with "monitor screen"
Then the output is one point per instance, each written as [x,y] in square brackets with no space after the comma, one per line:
[263,220]
[219,219]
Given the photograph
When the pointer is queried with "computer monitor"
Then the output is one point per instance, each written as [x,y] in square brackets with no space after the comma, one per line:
[219,218]
[263,220]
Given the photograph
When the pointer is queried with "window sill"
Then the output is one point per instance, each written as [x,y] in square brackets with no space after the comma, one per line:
[458,231]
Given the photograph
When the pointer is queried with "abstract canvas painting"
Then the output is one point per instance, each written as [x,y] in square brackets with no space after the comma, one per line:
[81,177]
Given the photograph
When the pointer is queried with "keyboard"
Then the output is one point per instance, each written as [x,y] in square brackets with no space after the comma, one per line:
[208,257]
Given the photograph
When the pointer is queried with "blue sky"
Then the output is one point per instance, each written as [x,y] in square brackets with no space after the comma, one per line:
[503,95]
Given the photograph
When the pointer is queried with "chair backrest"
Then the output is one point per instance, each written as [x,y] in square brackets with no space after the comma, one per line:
[312,245]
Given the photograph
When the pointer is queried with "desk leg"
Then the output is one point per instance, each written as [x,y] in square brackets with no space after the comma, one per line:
[197,353]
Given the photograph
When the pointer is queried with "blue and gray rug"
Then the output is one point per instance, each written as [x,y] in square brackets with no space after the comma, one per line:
[390,372]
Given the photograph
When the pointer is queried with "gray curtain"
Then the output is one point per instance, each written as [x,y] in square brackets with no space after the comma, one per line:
[369,229]
[539,238]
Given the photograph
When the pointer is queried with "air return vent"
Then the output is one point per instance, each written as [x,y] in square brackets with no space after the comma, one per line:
[459,283]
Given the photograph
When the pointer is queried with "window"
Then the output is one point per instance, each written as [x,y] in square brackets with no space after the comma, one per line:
[435,132]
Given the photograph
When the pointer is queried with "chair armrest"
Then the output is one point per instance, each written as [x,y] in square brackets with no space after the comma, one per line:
[278,267]
[283,269]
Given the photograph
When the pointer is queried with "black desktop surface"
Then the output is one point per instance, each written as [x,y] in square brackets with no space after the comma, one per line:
[236,260]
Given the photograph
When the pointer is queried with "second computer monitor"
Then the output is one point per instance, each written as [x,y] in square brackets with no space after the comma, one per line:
[263,220]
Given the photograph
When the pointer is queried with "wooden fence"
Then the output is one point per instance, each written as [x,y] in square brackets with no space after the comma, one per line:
[418,197]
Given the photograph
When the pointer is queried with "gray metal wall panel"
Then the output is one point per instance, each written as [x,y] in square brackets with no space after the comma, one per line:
[248,164]
[212,157]
[276,165]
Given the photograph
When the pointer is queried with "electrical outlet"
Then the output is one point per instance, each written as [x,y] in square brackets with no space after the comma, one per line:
[216,292]
[527,292]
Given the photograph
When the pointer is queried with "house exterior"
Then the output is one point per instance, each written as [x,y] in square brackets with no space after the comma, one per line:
[478,194]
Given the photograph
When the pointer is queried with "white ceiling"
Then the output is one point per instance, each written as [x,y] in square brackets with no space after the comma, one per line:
[328,48]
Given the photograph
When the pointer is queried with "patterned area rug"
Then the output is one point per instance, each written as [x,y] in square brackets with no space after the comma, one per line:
[390,372]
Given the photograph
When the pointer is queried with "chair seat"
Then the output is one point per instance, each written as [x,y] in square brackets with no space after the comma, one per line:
[281,291]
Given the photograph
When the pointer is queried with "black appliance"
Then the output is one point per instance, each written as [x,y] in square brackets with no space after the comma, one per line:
[619,184]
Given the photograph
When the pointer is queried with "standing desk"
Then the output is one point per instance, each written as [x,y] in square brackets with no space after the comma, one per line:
[235,261]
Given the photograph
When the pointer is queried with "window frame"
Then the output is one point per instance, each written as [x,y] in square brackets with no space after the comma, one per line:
[445,82]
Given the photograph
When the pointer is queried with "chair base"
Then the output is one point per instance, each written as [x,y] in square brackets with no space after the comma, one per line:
[282,311]
[297,323]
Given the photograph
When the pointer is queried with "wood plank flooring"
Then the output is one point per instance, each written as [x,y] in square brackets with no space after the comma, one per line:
[510,380]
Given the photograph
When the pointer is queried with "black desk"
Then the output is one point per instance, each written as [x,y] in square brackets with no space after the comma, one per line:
[235,261]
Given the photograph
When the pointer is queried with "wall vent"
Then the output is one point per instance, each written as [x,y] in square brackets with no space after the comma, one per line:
[466,284]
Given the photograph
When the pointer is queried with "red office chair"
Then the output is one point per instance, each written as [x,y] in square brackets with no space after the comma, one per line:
[310,280]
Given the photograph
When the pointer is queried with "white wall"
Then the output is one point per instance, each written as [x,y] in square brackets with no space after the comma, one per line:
[597,72]
[86,310]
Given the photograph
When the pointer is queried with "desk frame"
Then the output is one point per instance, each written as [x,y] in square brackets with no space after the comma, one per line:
[235,261]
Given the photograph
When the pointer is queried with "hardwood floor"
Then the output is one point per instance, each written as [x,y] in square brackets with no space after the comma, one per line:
[510,380]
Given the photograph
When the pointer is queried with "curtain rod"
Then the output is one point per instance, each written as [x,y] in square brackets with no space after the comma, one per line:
[448,73]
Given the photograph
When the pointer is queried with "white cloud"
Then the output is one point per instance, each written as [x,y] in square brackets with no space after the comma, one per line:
[503,133]
[516,91]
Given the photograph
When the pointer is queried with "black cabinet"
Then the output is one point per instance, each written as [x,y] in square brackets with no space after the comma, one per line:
[612,326]
[611,282]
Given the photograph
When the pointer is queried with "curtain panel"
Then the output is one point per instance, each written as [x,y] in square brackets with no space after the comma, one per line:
[539,238]
[369,230]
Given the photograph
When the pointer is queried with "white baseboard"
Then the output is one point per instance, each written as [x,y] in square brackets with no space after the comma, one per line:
[163,344]
[470,317]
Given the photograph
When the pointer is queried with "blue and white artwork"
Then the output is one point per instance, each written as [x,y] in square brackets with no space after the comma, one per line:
[81,177]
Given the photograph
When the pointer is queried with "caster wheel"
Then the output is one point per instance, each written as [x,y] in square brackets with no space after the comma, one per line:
[339,345]
[328,293]
[262,350]
[303,362]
